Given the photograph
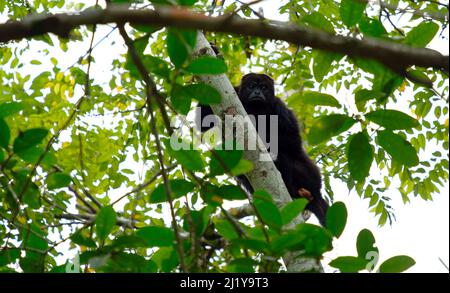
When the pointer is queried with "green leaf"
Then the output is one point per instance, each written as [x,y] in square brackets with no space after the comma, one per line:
[293,209]
[224,160]
[372,27]
[349,264]
[80,238]
[400,149]
[207,65]
[316,19]
[33,154]
[319,99]
[10,108]
[105,222]
[419,75]
[203,93]
[29,138]
[58,180]
[179,44]
[244,166]
[157,66]
[392,119]
[314,240]
[336,218]
[362,96]
[325,127]
[5,134]
[8,256]
[129,241]
[422,34]
[186,2]
[230,192]
[180,99]
[365,244]
[166,258]
[322,64]
[157,236]
[241,265]
[226,229]
[397,264]
[253,244]
[167,2]
[146,28]
[190,159]
[352,11]
[360,156]
[268,211]
[195,221]
[179,187]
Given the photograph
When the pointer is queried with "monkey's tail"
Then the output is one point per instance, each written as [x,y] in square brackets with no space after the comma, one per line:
[318,206]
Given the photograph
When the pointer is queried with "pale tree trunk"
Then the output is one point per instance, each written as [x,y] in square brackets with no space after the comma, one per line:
[264,175]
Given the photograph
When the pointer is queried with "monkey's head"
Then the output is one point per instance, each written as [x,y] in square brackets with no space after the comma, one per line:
[256,89]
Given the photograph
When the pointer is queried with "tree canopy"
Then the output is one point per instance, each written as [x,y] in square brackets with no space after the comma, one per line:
[92,93]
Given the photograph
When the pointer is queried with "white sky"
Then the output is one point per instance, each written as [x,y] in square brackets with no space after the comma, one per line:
[422,228]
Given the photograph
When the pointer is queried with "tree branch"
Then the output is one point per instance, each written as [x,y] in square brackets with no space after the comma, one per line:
[264,174]
[389,53]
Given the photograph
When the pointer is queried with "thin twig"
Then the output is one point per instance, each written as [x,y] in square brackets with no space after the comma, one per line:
[143,185]
[151,92]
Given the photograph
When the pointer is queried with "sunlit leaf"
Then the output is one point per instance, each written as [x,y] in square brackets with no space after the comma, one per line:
[179,44]
[207,65]
[400,149]
[365,244]
[29,138]
[336,218]
[422,34]
[189,158]
[58,180]
[320,99]
[293,209]
[360,156]
[372,27]
[11,108]
[317,20]
[81,238]
[178,188]
[392,119]
[5,134]
[203,93]
[105,222]
[267,210]
[157,236]
[349,264]
[224,160]
[352,11]
[325,127]
[397,264]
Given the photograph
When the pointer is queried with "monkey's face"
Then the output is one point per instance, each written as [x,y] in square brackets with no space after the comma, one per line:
[256,89]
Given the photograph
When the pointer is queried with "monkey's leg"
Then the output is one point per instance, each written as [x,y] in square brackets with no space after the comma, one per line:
[306,194]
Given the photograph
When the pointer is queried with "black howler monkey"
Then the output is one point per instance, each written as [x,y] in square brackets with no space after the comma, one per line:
[299,172]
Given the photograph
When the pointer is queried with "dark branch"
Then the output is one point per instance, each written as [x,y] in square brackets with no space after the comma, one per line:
[389,53]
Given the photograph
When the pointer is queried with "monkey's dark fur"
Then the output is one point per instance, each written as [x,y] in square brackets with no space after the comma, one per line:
[299,172]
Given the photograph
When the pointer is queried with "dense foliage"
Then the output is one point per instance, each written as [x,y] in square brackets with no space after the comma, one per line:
[82,147]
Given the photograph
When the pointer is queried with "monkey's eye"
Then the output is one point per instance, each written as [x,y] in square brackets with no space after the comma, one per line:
[262,87]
